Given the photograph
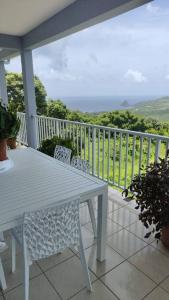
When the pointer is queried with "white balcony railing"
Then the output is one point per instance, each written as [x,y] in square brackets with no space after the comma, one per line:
[115,154]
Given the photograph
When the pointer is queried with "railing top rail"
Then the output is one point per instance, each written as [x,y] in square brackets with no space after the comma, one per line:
[129,132]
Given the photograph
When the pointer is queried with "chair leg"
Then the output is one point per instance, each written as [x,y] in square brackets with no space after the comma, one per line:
[2,276]
[13,254]
[92,217]
[26,272]
[84,265]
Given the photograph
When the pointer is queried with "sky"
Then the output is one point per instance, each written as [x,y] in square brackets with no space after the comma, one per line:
[127,55]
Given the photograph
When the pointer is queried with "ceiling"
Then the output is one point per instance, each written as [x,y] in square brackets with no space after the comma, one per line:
[18,17]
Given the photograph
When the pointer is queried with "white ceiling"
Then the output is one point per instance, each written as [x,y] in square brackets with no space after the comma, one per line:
[17,17]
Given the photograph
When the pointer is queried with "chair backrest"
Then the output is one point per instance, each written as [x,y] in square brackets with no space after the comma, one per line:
[80,164]
[49,231]
[63,154]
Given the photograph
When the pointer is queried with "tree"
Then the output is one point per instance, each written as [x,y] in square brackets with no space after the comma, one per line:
[16,93]
[57,109]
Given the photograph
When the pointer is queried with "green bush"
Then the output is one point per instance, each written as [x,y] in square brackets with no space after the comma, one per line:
[48,146]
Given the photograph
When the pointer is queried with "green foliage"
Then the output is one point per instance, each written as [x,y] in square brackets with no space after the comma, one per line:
[151,192]
[56,109]
[48,146]
[9,123]
[16,93]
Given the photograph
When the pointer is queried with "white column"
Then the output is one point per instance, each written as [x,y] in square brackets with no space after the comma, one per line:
[3,87]
[29,96]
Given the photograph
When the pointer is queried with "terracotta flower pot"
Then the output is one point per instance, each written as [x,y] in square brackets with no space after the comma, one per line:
[165,236]
[11,142]
[3,150]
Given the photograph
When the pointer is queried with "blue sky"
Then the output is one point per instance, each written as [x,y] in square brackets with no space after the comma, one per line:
[127,55]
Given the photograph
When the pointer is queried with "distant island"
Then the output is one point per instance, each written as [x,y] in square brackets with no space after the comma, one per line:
[125,103]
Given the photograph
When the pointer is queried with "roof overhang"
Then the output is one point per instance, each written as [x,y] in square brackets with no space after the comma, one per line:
[76,16]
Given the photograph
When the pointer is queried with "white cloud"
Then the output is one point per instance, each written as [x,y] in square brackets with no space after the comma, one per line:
[57,75]
[153,9]
[135,75]
[167,77]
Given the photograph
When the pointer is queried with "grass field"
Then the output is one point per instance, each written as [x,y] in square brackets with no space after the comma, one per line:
[117,164]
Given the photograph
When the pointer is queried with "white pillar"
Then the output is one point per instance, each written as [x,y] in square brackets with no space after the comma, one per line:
[29,96]
[3,87]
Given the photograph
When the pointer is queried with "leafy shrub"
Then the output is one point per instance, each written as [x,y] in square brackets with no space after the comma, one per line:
[151,192]
[48,146]
[9,123]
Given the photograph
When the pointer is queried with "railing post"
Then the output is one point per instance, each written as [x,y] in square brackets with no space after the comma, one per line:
[29,96]
[93,150]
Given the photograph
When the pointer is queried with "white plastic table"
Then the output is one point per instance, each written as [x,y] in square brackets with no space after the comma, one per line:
[37,181]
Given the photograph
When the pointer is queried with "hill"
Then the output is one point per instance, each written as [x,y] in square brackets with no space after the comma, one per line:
[157,109]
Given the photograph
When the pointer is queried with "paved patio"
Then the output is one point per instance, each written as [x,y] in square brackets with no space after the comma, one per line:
[134,269]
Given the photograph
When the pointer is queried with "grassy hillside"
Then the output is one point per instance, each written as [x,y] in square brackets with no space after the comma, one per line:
[157,109]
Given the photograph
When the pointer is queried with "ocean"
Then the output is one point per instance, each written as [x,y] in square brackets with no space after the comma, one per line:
[103,103]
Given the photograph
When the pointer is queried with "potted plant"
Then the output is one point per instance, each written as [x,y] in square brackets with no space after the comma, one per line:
[151,192]
[9,124]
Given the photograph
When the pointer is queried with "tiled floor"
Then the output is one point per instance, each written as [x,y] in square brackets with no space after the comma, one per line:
[135,268]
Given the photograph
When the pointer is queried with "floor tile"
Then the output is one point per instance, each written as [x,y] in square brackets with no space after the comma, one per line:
[165,284]
[113,205]
[124,216]
[152,262]
[125,243]
[159,245]
[100,292]
[16,278]
[117,196]
[53,260]
[112,227]
[157,294]
[140,231]
[68,277]
[40,289]
[100,268]
[128,283]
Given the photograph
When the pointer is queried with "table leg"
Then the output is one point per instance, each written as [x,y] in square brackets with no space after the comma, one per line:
[102,225]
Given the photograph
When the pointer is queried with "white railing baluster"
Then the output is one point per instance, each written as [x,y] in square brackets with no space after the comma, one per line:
[89,144]
[120,158]
[157,151]
[98,155]
[148,151]
[85,142]
[80,141]
[103,154]
[108,158]
[126,161]
[93,150]
[114,157]
[133,156]
[141,154]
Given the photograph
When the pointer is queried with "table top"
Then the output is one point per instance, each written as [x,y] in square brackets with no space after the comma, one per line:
[38,181]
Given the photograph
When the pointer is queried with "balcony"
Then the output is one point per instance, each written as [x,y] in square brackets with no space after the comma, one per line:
[135,268]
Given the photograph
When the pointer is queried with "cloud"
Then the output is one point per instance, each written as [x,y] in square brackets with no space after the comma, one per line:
[135,75]
[167,77]
[153,9]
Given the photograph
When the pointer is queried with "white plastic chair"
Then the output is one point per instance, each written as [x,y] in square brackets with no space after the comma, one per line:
[3,247]
[63,154]
[84,166]
[47,232]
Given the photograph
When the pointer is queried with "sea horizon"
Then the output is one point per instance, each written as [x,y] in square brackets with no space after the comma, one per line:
[103,103]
